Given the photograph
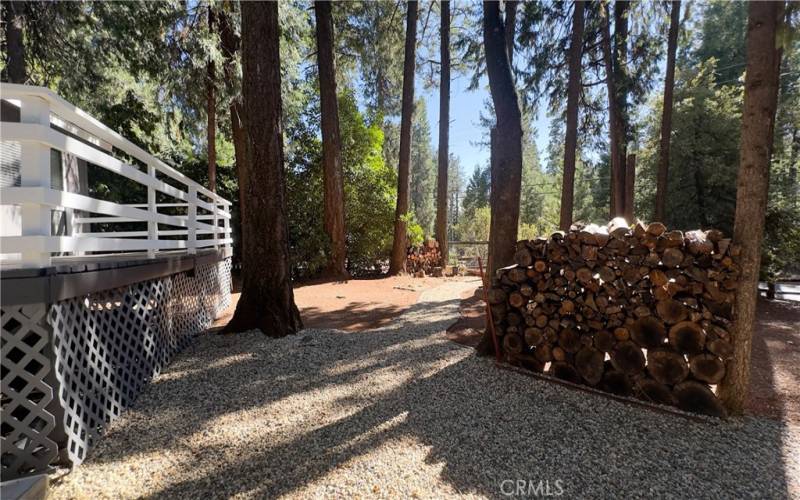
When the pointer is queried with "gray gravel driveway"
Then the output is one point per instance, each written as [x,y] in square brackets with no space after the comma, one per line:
[403,412]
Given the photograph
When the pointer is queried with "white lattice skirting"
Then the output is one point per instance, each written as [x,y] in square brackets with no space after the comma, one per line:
[70,368]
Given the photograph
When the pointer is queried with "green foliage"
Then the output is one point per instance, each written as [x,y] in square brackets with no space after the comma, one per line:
[477,192]
[704,153]
[423,170]
[370,189]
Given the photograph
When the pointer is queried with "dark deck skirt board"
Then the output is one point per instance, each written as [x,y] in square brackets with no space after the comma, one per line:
[52,284]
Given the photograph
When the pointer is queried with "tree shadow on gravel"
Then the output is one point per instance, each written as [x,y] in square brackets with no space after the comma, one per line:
[484,426]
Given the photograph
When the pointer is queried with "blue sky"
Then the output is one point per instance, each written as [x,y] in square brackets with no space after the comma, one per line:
[465,108]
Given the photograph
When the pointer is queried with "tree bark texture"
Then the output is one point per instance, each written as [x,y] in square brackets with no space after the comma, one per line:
[398,258]
[666,115]
[615,205]
[630,180]
[444,134]
[573,95]
[13,19]
[211,111]
[331,144]
[506,169]
[758,122]
[621,86]
[229,45]
[510,29]
[267,300]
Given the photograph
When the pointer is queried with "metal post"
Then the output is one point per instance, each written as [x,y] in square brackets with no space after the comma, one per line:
[35,172]
[152,225]
[192,243]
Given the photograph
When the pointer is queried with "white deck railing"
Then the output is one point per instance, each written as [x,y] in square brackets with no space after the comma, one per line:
[193,212]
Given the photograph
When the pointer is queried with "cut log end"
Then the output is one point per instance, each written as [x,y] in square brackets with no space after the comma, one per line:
[648,332]
[667,366]
[697,398]
[687,337]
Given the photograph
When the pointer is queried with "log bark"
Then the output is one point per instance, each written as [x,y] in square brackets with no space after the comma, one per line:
[267,300]
[507,146]
[444,133]
[758,123]
[398,258]
[666,112]
[15,68]
[573,95]
[333,177]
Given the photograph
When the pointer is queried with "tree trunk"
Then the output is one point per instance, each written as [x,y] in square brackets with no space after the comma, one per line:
[211,112]
[573,95]
[615,205]
[510,30]
[444,134]
[507,148]
[758,121]
[666,116]
[267,300]
[630,179]
[621,86]
[331,144]
[14,70]
[229,45]
[398,260]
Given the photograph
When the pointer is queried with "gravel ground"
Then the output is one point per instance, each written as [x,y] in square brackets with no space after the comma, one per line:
[401,411]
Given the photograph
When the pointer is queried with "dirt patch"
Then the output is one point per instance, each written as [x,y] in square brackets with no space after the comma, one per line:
[358,304]
[775,375]
[469,327]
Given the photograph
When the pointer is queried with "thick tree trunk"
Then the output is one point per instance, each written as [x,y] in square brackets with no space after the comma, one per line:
[229,45]
[630,180]
[398,259]
[510,29]
[267,300]
[211,112]
[444,134]
[15,68]
[758,122]
[666,116]
[331,144]
[621,83]
[506,167]
[615,205]
[573,95]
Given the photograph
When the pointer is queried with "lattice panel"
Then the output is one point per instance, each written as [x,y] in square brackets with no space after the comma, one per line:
[110,345]
[105,348]
[26,421]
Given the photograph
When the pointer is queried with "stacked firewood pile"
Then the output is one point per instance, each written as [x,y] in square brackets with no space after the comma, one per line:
[424,260]
[640,312]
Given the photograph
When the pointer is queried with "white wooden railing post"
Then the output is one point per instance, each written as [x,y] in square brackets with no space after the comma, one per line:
[192,243]
[227,226]
[35,172]
[216,222]
[152,225]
